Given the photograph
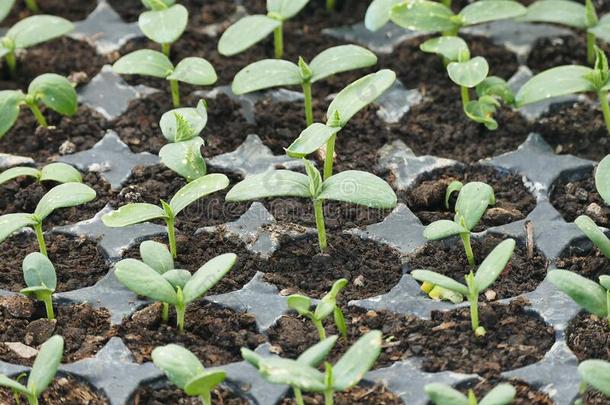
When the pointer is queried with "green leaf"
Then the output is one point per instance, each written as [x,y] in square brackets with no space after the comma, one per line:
[56,92]
[208,275]
[602,29]
[9,109]
[13,385]
[316,354]
[496,87]
[424,15]
[182,124]
[245,33]
[179,364]
[16,172]
[311,139]
[564,12]
[266,74]
[62,196]
[61,173]
[473,200]
[358,359]
[588,227]
[339,59]
[299,303]
[491,10]
[197,71]
[359,94]
[442,394]
[357,187]
[144,62]
[597,374]
[177,277]
[501,394]
[325,308]
[339,319]
[40,293]
[131,214]
[251,357]
[494,264]
[605,282]
[38,28]
[482,111]
[5,8]
[157,4]
[157,256]
[440,280]
[602,179]
[586,293]
[143,280]
[452,188]
[315,179]
[185,158]
[286,8]
[197,189]
[378,13]
[448,47]
[39,271]
[291,373]
[555,82]
[469,73]
[204,382]
[11,223]
[442,229]
[276,183]
[46,365]
[164,26]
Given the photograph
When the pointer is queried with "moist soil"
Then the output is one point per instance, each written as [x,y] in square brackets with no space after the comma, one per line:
[573,197]
[521,275]
[595,398]
[298,266]
[213,333]
[84,329]
[548,53]
[589,337]
[526,394]
[161,392]
[65,390]
[427,197]
[64,135]
[359,395]
[584,259]
[201,12]
[78,262]
[73,10]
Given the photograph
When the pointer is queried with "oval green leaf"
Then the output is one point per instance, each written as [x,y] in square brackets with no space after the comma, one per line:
[586,293]
[602,179]
[197,189]
[423,15]
[299,303]
[494,264]
[16,172]
[178,363]
[291,373]
[357,361]
[501,394]
[131,214]
[473,200]
[311,139]
[185,158]
[11,223]
[208,275]
[316,354]
[39,271]
[491,10]
[145,281]
[157,256]
[442,229]
[276,183]
[9,109]
[592,231]
[164,26]
[204,382]
[197,71]
[339,59]
[245,33]
[440,280]
[61,173]
[555,82]
[597,374]
[266,74]
[56,92]
[448,47]
[144,62]
[62,196]
[469,73]
[357,187]
[46,365]
[564,12]
[177,277]
[38,28]
[378,13]
[442,394]
[286,8]
[182,124]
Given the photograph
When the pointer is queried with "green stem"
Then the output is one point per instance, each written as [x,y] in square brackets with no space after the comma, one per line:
[590,49]
[330,157]
[319,212]
[330,5]
[328,397]
[465,96]
[11,62]
[166,49]
[603,101]
[608,304]
[32,399]
[206,398]
[474,311]
[278,41]
[320,329]
[468,248]
[308,102]
[171,235]
[451,33]
[40,236]
[298,396]
[48,304]
[180,311]
[447,3]
[33,6]
[39,117]
[165,314]
[173,84]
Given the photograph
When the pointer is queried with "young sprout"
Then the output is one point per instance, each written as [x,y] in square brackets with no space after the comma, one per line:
[29,32]
[51,90]
[595,373]
[326,306]
[163,23]
[155,278]
[302,375]
[270,73]
[570,79]
[351,186]
[135,213]
[61,196]
[476,283]
[40,279]
[146,62]
[441,394]
[346,104]
[254,28]
[59,172]
[473,199]
[42,373]
[185,370]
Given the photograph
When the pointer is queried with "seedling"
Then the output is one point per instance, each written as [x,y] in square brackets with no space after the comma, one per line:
[135,213]
[473,199]
[254,28]
[29,32]
[58,172]
[350,186]
[146,62]
[592,297]
[163,23]
[486,275]
[301,374]
[42,373]
[40,279]
[328,305]
[570,79]
[61,196]
[378,13]
[595,373]
[345,105]
[185,370]
[51,90]
[441,394]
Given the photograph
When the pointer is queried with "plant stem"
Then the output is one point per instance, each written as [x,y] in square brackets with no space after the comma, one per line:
[40,236]
[330,157]
[320,329]
[171,236]
[465,96]
[166,49]
[278,41]
[473,298]
[590,49]
[447,3]
[180,310]
[603,101]
[468,248]
[319,212]
[308,102]
[39,117]
[206,399]
[32,399]
[328,397]
[165,313]
[48,304]
[608,304]
[11,62]
[330,5]
[173,84]
[33,6]
[298,396]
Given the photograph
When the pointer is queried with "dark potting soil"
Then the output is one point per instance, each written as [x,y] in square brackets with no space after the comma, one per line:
[548,53]
[73,10]
[358,395]
[65,390]
[584,259]
[78,262]
[370,267]
[589,337]
[427,197]
[84,329]
[213,333]
[595,398]
[201,12]
[526,394]
[162,392]
[575,128]
[521,275]
[65,135]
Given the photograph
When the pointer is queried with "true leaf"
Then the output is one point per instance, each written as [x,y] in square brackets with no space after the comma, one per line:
[195,118]
[245,33]
[482,112]
[378,13]
[157,256]
[38,28]
[564,12]
[208,275]
[55,92]
[602,179]
[131,214]
[63,195]
[185,158]
[283,183]
[197,189]
[442,394]
[423,15]
[39,271]
[592,231]
[494,264]
[143,280]
[586,293]
[469,73]
[555,82]
[448,47]
[178,363]
[597,374]
[144,62]
[360,188]
[496,87]
[316,354]
[197,71]
[46,364]
[440,280]
[358,359]
[311,139]
[177,277]
[266,74]
[442,229]
[204,382]
[491,10]
[164,26]
[502,394]
[340,59]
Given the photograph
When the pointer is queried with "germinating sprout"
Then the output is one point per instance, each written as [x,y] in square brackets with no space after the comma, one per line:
[157,279]
[42,373]
[350,186]
[302,375]
[163,23]
[441,394]
[596,374]
[135,213]
[476,283]
[252,29]
[146,62]
[326,307]
[58,172]
[61,196]
[270,73]
[185,370]
[345,105]
[51,90]
[40,279]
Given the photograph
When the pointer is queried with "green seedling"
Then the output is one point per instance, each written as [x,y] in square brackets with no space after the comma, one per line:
[135,213]
[58,172]
[570,79]
[346,104]
[185,370]
[441,394]
[378,13]
[476,283]
[29,32]
[301,375]
[595,373]
[157,279]
[51,90]
[473,199]
[351,186]
[42,373]
[254,28]
[61,196]
[270,73]
[326,307]
[146,62]
[40,279]
[163,23]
